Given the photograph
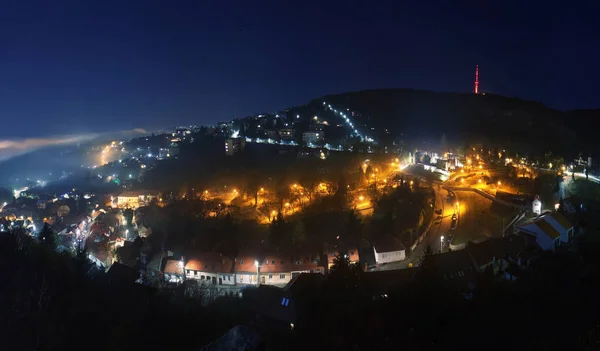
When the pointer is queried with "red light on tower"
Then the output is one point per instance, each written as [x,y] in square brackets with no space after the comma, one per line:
[476,79]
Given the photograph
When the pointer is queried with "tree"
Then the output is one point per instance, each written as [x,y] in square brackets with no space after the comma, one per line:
[278,231]
[128,214]
[299,234]
[344,275]
[46,236]
[353,226]
[426,159]
[253,186]
[309,183]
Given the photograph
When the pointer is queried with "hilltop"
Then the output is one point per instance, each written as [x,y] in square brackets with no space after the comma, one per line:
[507,122]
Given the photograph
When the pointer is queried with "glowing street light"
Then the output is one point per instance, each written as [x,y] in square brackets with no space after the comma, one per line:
[441,243]
[499,183]
[361,198]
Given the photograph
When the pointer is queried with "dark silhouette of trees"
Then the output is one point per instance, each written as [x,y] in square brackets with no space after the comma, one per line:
[278,232]
[353,228]
[47,236]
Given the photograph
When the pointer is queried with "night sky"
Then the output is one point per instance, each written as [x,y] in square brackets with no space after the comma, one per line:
[94,66]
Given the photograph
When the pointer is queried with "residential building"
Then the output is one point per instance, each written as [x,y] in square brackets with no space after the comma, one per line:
[134,199]
[173,271]
[275,269]
[313,137]
[550,230]
[245,270]
[234,146]
[286,134]
[388,249]
[210,268]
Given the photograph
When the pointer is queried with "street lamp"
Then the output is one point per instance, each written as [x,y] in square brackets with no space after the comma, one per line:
[257,273]
[441,243]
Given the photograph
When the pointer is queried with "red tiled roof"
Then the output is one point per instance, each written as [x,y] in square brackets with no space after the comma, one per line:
[278,263]
[173,267]
[245,264]
[210,262]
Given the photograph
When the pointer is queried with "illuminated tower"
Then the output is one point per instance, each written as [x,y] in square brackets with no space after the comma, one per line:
[476,79]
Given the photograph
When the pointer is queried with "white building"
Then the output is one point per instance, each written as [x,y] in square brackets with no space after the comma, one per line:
[134,199]
[550,231]
[210,268]
[388,249]
[536,206]
[274,269]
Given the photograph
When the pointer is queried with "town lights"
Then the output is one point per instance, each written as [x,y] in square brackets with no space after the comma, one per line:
[499,183]
[441,243]
[361,198]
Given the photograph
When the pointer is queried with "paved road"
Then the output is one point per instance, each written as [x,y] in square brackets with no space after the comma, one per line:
[437,229]
[477,219]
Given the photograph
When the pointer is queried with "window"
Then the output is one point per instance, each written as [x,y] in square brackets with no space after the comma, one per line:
[282,276]
[201,277]
[188,271]
[195,273]
[273,262]
[270,276]
[267,262]
[241,261]
[285,301]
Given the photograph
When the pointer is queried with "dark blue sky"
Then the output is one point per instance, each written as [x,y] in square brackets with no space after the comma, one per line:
[75,66]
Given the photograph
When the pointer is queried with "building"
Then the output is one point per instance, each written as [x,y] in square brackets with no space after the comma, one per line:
[313,138]
[210,268]
[550,231]
[173,271]
[286,134]
[245,270]
[388,249]
[275,269]
[134,199]
[234,145]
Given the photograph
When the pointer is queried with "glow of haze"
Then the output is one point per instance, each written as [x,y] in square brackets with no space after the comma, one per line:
[10,148]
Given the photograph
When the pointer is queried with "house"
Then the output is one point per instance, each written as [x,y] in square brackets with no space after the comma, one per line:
[173,271]
[388,249]
[280,269]
[245,270]
[498,254]
[550,231]
[211,268]
[274,304]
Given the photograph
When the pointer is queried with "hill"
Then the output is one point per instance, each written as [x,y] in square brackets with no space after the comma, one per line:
[506,122]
